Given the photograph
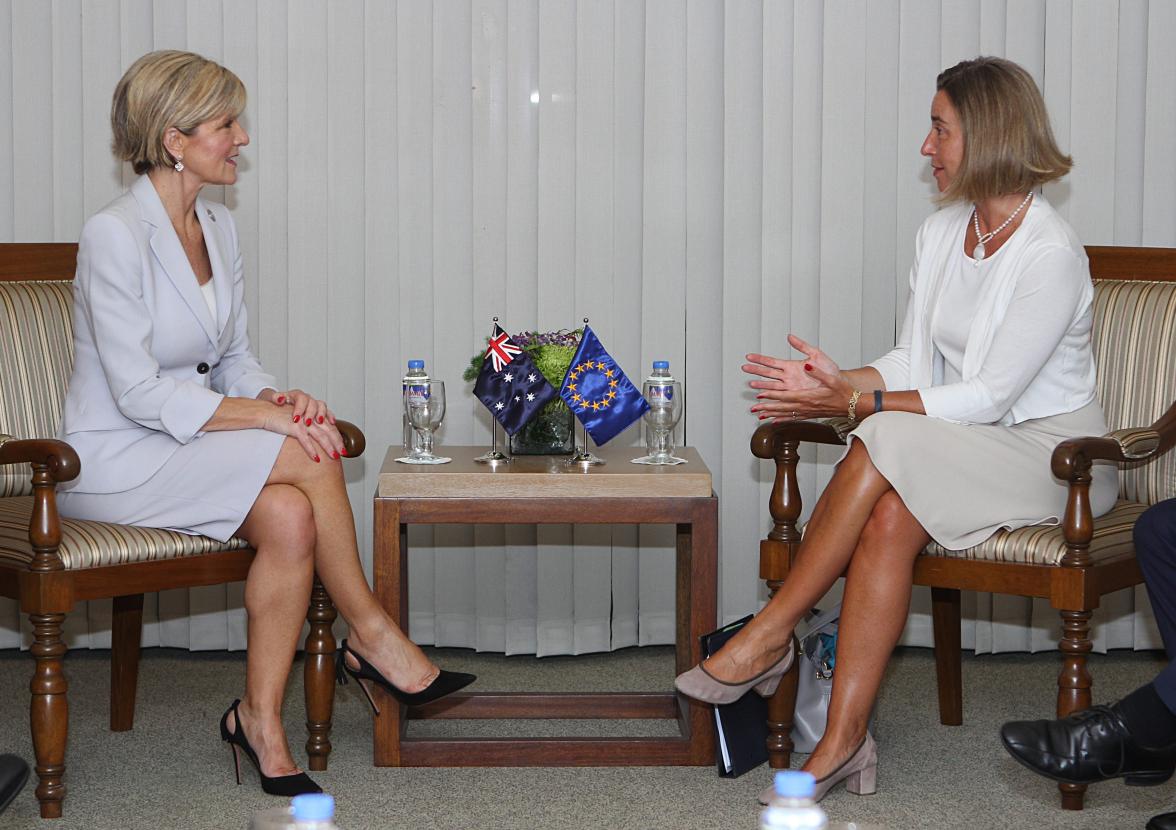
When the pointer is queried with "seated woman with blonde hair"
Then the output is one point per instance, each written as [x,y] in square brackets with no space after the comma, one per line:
[178,426]
[992,369]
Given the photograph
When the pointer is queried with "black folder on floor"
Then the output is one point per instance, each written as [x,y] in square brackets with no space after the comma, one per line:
[742,726]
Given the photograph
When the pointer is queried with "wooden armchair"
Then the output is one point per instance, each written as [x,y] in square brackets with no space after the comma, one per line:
[49,564]
[1072,565]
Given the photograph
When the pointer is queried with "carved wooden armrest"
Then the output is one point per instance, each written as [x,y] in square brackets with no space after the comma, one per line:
[1071,462]
[57,457]
[53,462]
[353,438]
[1072,457]
[779,441]
[770,437]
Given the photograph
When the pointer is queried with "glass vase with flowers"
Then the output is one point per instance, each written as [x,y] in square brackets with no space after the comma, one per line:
[550,432]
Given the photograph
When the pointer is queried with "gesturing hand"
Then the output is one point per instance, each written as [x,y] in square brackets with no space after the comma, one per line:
[797,389]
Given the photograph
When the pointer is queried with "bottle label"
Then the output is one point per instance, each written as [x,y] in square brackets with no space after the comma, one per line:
[660,395]
[418,395]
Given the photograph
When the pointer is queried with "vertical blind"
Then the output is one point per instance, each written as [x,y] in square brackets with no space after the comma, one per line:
[698,177]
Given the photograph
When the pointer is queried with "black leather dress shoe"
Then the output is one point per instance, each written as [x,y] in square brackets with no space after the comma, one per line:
[13,774]
[1164,821]
[1086,747]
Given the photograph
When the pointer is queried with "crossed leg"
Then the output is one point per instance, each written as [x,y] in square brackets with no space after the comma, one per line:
[301,524]
[859,527]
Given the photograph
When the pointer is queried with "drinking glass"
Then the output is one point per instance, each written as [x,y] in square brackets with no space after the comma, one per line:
[426,409]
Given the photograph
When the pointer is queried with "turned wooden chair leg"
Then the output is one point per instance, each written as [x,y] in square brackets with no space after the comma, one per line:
[781,713]
[945,612]
[319,676]
[1074,683]
[49,711]
[126,634]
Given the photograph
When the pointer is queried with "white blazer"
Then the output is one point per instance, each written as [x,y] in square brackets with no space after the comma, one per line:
[1016,367]
[150,363]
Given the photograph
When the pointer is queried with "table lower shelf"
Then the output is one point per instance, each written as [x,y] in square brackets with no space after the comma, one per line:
[458,751]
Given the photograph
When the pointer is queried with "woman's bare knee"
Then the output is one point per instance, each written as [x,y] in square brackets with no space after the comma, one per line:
[281,524]
[891,528]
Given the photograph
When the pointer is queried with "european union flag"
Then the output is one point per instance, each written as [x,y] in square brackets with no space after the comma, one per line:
[510,385]
[598,392]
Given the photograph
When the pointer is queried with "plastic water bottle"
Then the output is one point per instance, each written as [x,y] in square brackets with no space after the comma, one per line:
[412,385]
[663,394]
[312,811]
[792,807]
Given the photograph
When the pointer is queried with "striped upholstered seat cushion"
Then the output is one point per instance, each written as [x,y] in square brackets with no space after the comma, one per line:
[1045,545]
[96,544]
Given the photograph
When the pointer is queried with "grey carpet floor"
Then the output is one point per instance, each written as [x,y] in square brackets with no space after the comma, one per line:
[172,771]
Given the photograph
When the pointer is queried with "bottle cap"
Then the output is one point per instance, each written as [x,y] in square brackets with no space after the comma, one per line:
[416,364]
[313,807]
[791,783]
[661,364]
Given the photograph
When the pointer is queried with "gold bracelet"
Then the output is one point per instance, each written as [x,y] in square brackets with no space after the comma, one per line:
[853,399]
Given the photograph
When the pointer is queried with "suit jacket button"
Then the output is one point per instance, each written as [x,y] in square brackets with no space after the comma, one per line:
[202,368]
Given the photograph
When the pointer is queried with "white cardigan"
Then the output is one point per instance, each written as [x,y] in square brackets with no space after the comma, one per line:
[1028,352]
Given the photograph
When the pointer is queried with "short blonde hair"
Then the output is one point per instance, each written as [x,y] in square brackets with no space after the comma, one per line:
[166,89]
[1008,144]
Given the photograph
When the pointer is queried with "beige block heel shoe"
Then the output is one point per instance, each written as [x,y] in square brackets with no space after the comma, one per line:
[700,685]
[859,772]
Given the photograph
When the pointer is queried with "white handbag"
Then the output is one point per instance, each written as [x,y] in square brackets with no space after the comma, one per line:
[818,656]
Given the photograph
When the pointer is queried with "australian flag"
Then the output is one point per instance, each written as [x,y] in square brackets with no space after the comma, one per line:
[509,384]
[598,392]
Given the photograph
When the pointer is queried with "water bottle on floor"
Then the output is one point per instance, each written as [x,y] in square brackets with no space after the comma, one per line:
[410,384]
[793,807]
[313,811]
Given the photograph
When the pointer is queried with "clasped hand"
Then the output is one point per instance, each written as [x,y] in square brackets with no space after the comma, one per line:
[792,390]
[307,420]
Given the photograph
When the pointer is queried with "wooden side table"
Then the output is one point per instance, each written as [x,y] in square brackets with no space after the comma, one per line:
[531,487]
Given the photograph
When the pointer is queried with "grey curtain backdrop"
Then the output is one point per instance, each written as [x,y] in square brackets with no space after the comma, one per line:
[699,177]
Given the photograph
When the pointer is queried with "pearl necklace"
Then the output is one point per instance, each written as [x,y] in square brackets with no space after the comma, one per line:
[978,251]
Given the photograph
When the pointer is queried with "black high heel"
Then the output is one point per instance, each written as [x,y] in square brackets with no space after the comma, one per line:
[446,683]
[284,785]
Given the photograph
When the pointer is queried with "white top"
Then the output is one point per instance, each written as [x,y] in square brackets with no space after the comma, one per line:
[1027,316]
[210,298]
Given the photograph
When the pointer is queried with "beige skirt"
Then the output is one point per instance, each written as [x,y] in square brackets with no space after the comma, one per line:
[963,482]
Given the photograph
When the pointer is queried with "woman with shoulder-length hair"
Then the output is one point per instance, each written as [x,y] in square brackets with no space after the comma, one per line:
[992,369]
[179,427]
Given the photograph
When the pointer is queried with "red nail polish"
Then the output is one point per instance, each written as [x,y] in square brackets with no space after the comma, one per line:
[344,453]
[316,459]
[334,455]
[295,419]
[320,419]
[280,399]
[808,367]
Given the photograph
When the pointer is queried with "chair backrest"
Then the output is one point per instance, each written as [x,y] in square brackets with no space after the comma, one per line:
[36,345]
[1135,350]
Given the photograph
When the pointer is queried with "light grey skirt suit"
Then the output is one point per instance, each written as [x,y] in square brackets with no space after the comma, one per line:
[151,365]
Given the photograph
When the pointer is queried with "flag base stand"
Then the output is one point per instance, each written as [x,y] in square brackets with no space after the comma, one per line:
[583,456]
[493,455]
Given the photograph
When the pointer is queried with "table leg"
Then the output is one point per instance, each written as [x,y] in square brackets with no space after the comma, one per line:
[697,607]
[390,571]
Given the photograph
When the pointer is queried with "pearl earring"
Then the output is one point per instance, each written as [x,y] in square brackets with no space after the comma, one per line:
[179,165]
